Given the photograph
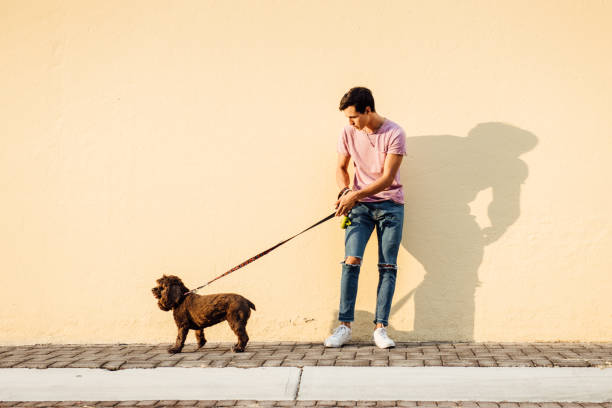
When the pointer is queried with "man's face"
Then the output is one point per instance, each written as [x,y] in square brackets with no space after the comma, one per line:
[356,119]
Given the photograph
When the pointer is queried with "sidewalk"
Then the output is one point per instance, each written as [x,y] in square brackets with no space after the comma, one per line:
[297,354]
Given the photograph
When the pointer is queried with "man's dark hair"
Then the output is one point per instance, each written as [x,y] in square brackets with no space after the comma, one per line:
[359,97]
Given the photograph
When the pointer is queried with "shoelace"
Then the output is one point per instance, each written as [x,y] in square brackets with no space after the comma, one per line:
[340,329]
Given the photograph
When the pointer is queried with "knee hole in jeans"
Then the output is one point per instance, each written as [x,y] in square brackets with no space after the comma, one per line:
[387,266]
[352,260]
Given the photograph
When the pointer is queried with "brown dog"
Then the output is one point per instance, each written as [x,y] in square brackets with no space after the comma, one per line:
[196,312]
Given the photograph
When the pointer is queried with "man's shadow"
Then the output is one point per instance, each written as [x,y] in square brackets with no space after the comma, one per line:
[441,175]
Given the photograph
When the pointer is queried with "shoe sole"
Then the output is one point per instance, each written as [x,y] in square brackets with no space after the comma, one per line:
[388,347]
[346,342]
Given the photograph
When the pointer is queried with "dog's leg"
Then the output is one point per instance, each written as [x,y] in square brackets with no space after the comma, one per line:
[239,329]
[180,340]
[201,338]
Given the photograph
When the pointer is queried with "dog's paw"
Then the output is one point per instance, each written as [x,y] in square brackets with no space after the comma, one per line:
[237,349]
[174,350]
[201,344]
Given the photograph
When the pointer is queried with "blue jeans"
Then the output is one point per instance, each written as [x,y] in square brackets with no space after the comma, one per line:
[388,219]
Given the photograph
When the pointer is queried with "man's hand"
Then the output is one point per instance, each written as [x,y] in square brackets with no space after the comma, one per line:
[346,203]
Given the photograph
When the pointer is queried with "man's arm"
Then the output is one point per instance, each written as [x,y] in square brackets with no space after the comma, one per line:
[390,169]
[342,176]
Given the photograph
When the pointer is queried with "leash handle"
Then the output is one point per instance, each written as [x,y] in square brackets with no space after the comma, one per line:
[259,255]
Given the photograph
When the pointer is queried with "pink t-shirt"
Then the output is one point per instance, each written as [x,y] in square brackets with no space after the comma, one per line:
[368,152]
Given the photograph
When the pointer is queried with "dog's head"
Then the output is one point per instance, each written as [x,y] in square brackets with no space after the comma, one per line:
[170,291]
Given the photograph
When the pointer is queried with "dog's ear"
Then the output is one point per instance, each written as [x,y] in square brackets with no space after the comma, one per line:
[171,296]
[175,280]
[175,294]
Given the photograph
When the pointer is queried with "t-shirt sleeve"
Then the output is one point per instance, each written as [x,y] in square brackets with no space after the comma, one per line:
[342,143]
[397,143]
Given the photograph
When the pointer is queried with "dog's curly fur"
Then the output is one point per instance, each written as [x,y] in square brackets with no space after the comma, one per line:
[195,312]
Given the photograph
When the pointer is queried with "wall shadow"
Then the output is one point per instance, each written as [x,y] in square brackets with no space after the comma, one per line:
[441,175]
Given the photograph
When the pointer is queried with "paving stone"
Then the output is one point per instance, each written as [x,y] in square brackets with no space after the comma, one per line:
[167,364]
[514,363]
[299,363]
[570,363]
[272,363]
[127,366]
[245,364]
[218,363]
[406,363]
[146,403]
[352,363]
[86,364]
[185,403]
[34,364]
[486,362]
[376,363]
[461,363]
[113,365]
[488,405]
[542,363]
[348,355]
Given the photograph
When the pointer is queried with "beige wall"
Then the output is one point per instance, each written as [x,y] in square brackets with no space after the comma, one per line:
[147,137]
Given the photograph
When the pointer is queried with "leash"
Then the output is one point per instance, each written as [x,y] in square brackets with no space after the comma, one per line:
[267,251]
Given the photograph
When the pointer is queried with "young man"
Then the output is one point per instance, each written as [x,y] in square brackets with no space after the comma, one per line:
[376,200]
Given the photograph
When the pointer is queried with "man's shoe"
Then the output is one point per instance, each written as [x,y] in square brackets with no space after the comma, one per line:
[381,339]
[340,336]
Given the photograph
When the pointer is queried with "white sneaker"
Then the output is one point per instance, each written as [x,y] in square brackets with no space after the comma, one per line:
[381,339]
[341,335]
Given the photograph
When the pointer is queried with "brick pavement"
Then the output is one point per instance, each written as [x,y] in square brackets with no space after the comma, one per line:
[298,354]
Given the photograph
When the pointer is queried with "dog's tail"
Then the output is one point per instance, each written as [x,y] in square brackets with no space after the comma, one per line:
[251,305]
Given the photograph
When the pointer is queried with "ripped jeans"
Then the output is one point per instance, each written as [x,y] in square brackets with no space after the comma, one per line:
[388,219]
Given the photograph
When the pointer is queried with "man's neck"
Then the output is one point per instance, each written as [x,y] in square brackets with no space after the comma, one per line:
[377,122]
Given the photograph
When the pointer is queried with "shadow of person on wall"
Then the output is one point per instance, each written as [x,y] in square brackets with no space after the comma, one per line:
[441,175]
